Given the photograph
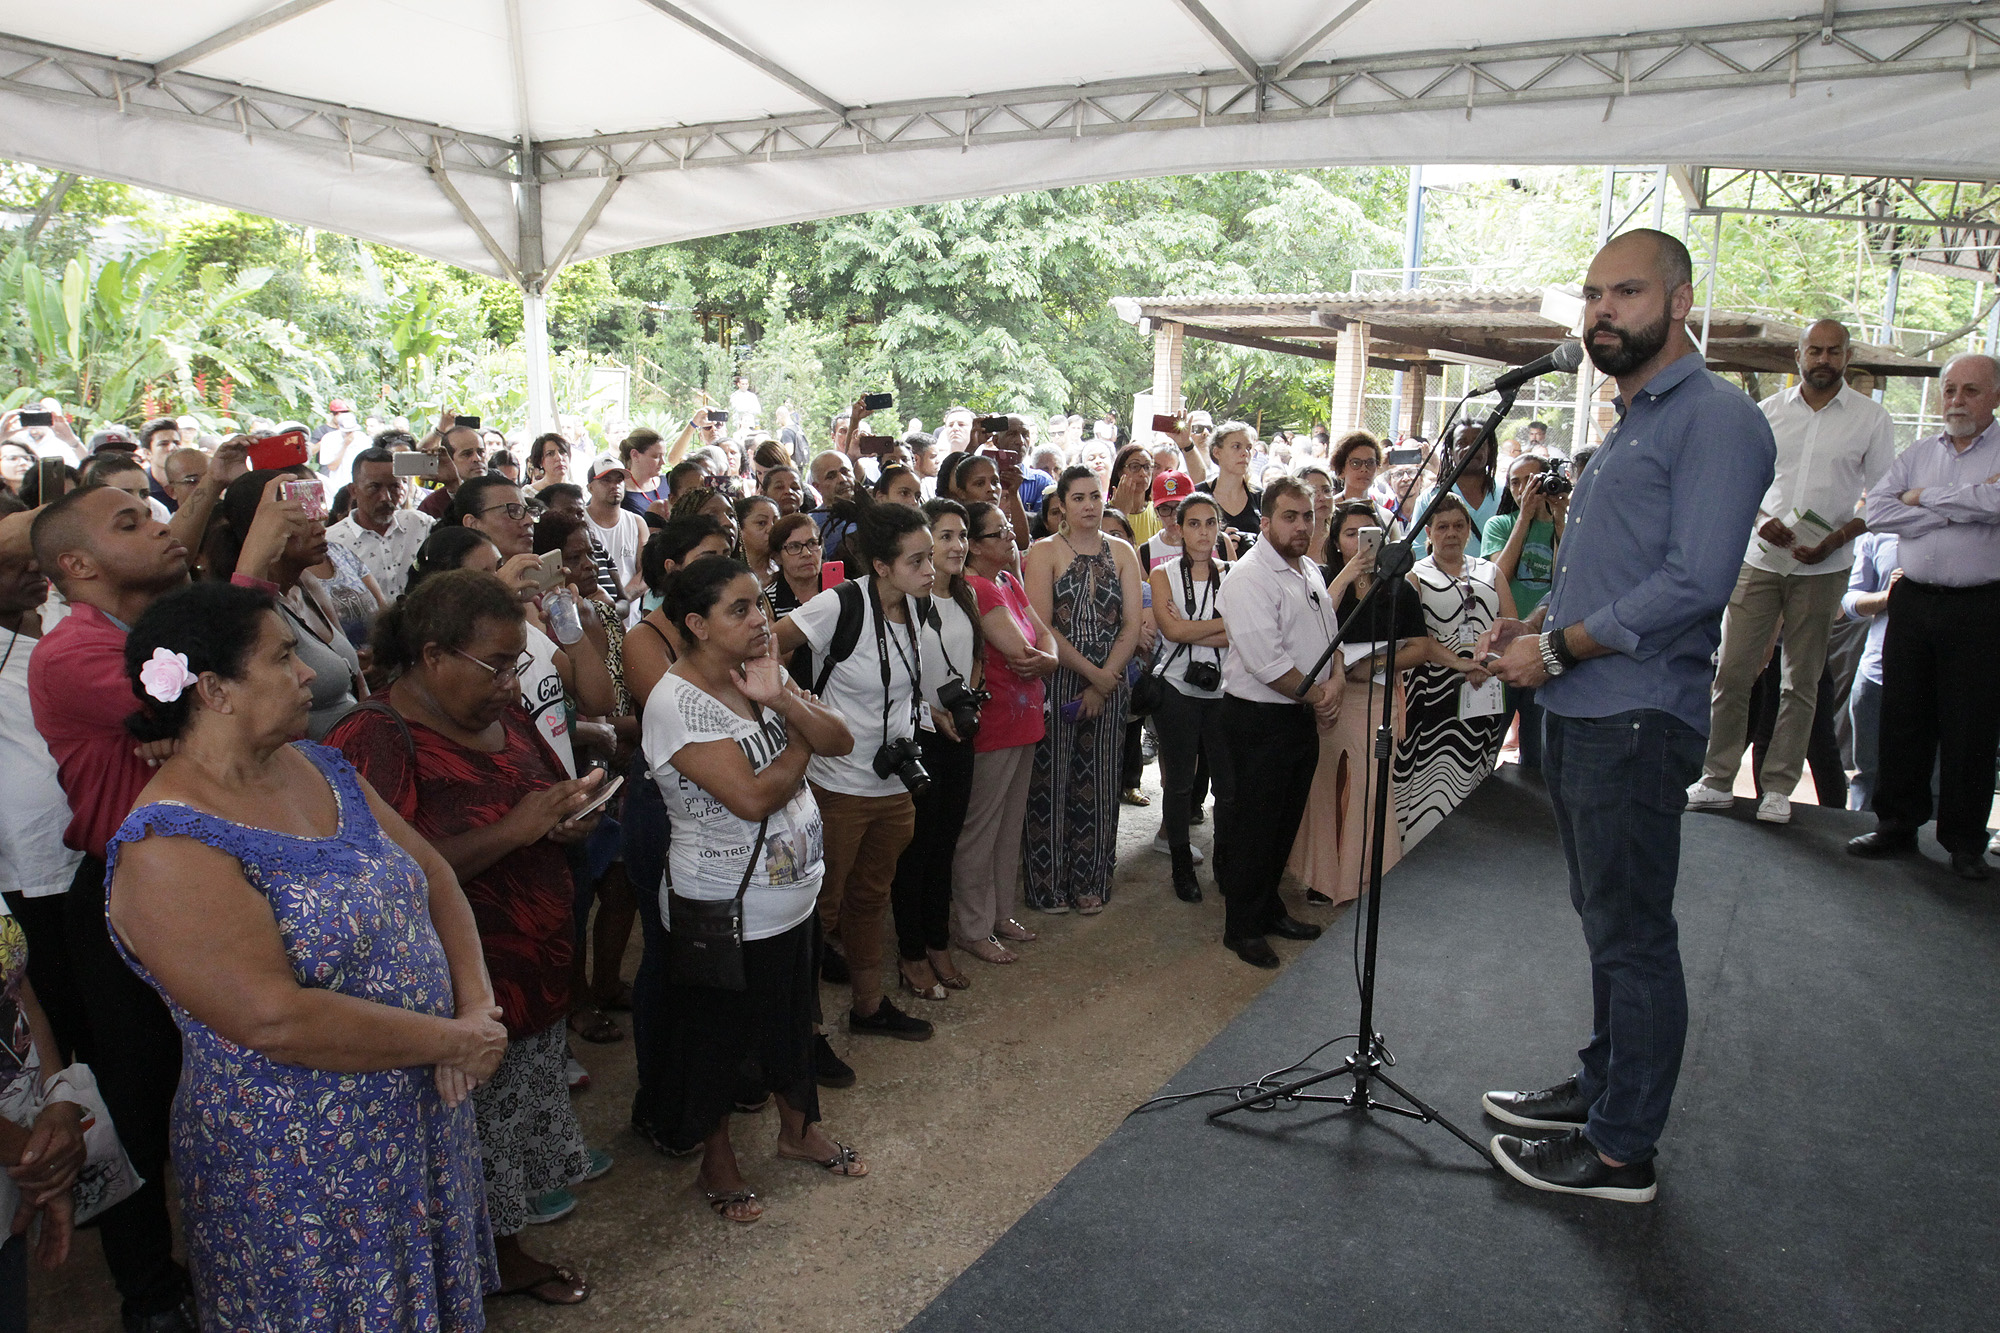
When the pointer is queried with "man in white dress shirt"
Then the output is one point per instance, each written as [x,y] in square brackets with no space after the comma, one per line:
[1280,619]
[1833,444]
[382,534]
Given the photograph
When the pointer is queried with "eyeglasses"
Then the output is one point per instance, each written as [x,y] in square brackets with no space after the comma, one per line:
[511,674]
[797,548]
[516,510]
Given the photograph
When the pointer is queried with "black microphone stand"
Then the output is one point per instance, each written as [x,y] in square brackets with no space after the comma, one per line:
[1366,1063]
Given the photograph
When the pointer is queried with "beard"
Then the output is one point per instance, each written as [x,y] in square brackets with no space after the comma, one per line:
[1295,545]
[1822,377]
[1635,346]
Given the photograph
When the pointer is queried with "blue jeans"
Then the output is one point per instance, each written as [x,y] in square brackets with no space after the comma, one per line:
[1618,785]
[1864,713]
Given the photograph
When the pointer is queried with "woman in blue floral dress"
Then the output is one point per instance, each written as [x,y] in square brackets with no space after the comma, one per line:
[327,979]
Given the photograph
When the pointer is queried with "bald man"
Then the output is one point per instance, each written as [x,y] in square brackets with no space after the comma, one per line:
[1942,500]
[111,559]
[1618,655]
[1833,444]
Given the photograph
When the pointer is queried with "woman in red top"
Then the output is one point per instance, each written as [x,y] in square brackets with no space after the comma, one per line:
[458,757]
[1020,651]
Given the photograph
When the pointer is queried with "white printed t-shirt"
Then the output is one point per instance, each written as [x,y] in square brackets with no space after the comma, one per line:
[709,846]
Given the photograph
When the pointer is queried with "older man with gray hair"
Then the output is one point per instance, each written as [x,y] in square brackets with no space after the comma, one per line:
[1942,499]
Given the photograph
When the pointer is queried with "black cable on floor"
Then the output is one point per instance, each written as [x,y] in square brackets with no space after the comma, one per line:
[1276,1078]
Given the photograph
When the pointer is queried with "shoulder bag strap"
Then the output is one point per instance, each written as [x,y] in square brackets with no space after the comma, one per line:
[756,851]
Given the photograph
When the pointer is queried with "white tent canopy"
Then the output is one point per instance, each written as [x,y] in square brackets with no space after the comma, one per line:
[514,136]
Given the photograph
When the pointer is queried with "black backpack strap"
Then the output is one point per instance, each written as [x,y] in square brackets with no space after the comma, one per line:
[846,633]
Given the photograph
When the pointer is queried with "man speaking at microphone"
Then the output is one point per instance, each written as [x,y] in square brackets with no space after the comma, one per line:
[1619,656]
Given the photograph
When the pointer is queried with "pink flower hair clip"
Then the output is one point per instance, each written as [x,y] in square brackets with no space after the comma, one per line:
[166,675]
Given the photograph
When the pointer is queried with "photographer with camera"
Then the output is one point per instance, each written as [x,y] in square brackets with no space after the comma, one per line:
[953,651]
[1522,539]
[1185,593]
[868,667]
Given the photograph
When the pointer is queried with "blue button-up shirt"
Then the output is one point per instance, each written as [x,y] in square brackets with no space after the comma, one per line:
[1654,542]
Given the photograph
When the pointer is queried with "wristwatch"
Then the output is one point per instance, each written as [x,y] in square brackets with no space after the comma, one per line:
[1551,662]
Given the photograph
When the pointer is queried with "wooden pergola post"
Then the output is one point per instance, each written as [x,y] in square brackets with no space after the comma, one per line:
[1413,396]
[1168,345]
[1348,407]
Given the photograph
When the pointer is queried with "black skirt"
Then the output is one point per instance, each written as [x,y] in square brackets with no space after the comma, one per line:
[716,1047]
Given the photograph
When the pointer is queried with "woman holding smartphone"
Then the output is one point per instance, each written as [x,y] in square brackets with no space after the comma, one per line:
[1331,852]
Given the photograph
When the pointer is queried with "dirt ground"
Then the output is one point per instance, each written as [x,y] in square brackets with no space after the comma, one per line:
[1029,1070]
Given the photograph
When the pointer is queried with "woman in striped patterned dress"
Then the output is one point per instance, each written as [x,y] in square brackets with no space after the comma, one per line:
[1085,584]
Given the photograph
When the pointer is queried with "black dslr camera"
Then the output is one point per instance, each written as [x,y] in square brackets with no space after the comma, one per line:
[1556,483]
[902,759]
[963,703]
[1203,675]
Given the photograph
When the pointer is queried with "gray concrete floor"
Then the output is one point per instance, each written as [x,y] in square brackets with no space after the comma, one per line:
[1029,1070]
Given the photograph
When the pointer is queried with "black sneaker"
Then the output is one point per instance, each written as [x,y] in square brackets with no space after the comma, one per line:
[829,1070]
[889,1021]
[833,968]
[1560,1107]
[1568,1164]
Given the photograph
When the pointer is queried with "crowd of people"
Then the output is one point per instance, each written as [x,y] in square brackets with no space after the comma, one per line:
[787,709]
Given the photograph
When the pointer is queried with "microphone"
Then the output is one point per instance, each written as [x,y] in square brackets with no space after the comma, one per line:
[1564,359]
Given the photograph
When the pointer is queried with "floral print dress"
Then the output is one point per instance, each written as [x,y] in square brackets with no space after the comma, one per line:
[315,1199]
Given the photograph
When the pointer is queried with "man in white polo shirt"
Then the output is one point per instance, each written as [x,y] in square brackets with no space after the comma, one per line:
[382,534]
[1833,444]
[1280,620]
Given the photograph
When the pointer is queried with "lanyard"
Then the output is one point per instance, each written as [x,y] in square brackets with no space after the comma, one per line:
[884,637]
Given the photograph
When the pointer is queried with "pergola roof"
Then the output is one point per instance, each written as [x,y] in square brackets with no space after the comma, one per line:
[1428,326]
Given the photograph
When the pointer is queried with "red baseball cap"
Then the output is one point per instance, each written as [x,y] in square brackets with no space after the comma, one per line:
[1171,487]
[335,405]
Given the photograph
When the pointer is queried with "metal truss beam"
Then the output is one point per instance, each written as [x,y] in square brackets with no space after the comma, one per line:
[241,32]
[1931,224]
[78,78]
[1866,44]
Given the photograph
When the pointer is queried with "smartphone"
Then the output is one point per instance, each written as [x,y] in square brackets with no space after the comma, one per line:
[1006,458]
[995,425]
[869,446]
[1168,425]
[411,463]
[473,422]
[598,801]
[1368,541]
[50,474]
[832,574]
[875,402]
[38,418]
[308,493]
[286,450]
[550,573]
[1072,710]
[717,416]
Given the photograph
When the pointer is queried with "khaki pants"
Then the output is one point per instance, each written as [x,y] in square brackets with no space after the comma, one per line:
[864,837]
[1803,606]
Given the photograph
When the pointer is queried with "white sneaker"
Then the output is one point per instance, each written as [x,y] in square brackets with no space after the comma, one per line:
[1775,808]
[1161,846]
[1701,796]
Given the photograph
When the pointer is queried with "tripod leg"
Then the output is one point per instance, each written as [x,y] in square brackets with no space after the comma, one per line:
[1430,1113]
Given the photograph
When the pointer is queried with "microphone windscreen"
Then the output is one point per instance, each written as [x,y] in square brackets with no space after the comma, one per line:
[1567,357]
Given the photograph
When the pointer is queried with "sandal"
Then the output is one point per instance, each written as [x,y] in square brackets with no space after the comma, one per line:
[594,1027]
[571,1289]
[989,950]
[723,1200]
[844,1162]
[1010,929]
[955,980]
[934,991]
[1089,905]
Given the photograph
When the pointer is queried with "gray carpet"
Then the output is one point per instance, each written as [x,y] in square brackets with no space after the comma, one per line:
[1830,1164]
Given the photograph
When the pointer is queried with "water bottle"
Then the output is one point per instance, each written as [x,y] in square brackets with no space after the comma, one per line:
[565,622]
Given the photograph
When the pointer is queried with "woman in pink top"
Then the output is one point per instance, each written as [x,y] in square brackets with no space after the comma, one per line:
[1020,652]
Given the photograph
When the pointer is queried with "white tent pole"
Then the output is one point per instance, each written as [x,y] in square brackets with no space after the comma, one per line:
[535,347]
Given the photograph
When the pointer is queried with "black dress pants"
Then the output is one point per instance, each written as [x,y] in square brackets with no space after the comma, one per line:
[1273,750]
[920,895]
[134,1049]
[1939,703]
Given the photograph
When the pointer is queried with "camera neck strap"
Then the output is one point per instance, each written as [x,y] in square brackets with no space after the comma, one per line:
[1196,610]
[885,638]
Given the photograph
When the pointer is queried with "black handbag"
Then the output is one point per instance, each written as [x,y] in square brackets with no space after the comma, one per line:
[705,935]
[1148,693]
